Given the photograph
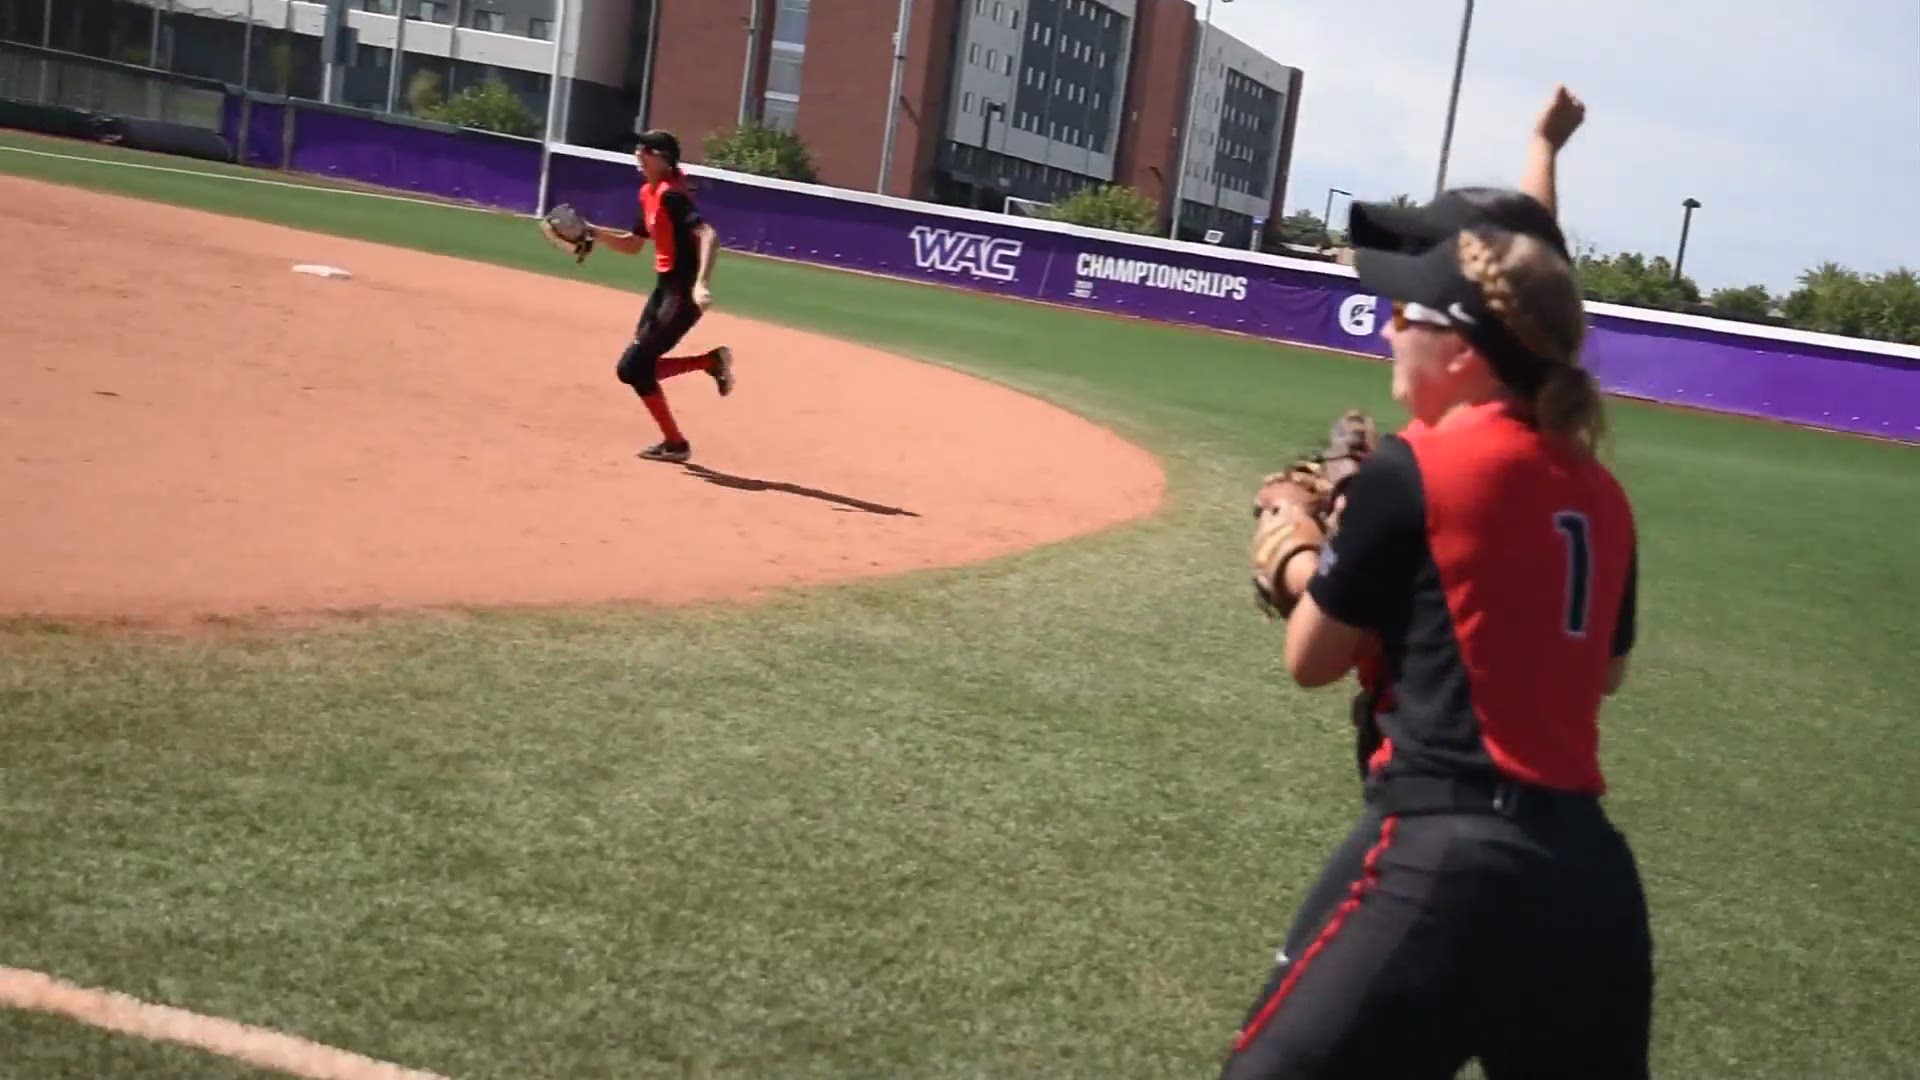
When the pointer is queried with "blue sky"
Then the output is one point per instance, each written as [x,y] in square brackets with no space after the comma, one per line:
[1797,126]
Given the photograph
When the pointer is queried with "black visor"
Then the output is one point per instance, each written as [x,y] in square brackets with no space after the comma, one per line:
[1384,226]
[662,143]
[1412,255]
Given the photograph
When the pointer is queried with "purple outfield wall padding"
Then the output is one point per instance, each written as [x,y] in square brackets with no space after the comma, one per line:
[492,170]
[266,131]
[1812,380]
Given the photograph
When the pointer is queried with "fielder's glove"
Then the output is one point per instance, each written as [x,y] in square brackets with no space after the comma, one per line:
[1298,508]
[568,231]
[1284,526]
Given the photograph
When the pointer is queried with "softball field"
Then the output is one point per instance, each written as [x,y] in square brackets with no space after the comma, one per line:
[367,709]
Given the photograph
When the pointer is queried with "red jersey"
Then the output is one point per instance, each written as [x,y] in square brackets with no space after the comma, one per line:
[668,217]
[1499,570]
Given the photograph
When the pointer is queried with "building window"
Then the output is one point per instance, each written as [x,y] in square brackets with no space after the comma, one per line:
[973,53]
[999,10]
[966,103]
[491,21]
[783,71]
[540,29]
[1006,65]
[790,23]
[780,103]
[993,59]
[1016,19]
[780,114]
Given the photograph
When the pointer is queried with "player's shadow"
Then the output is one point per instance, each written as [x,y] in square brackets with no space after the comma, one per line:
[846,502]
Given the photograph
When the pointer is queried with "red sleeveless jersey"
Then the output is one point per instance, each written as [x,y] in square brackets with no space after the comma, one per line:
[1499,569]
[668,217]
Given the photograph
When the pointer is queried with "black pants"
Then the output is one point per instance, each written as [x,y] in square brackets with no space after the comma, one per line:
[670,313]
[1516,936]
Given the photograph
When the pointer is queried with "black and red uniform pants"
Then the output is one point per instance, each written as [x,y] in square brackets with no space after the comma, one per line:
[669,315]
[1459,921]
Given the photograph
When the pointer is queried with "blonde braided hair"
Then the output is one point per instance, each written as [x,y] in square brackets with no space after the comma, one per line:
[1531,288]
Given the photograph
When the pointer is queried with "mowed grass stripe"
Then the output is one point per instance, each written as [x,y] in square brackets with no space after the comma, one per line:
[1046,816]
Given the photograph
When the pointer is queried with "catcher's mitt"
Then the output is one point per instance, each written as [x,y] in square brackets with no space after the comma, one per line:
[567,230]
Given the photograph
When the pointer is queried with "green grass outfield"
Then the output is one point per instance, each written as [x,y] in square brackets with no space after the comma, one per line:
[1045,817]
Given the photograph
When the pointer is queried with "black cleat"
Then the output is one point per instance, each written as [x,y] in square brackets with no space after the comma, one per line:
[668,451]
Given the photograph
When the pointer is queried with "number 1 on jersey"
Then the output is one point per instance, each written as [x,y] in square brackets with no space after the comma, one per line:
[1579,569]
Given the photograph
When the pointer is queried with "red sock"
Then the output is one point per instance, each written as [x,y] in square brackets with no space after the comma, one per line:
[662,415]
[670,366]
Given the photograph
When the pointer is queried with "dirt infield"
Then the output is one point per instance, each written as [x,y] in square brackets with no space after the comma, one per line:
[192,430]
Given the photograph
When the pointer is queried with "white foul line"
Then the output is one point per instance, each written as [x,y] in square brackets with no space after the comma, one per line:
[321,188]
[259,1047]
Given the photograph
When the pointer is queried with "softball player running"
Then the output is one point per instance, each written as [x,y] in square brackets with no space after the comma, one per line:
[684,248]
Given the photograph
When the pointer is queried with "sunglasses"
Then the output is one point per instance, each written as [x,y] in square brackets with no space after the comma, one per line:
[1406,315]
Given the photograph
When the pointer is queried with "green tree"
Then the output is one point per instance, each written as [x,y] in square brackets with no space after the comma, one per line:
[1746,302]
[1109,206]
[1631,278]
[491,106]
[1893,307]
[762,151]
[424,93]
[1831,299]
[1303,227]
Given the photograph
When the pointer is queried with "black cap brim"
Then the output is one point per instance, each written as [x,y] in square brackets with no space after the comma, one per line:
[1433,279]
[1387,227]
[1430,277]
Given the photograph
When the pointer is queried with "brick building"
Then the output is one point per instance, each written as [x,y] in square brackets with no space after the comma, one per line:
[1031,99]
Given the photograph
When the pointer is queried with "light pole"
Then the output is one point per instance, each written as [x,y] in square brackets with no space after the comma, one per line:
[1453,99]
[1686,223]
[753,55]
[1186,132]
[893,92]
[1326,219]
[399,57]
[547,135]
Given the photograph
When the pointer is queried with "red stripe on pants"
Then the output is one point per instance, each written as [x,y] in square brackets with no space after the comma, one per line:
[1369,877]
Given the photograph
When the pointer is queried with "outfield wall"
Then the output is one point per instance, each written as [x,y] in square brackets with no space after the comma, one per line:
[1812,379]
[1816,380]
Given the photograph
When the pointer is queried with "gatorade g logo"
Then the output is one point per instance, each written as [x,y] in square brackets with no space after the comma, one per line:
[1356,315]
[991,257]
